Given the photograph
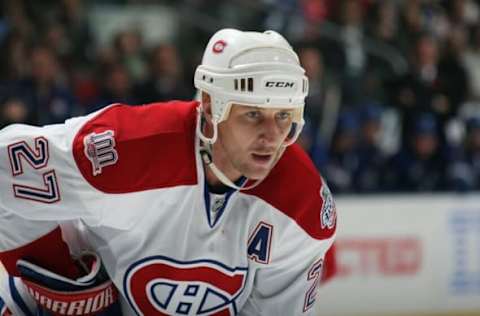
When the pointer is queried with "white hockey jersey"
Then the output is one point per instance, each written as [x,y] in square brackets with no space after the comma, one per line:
[132,177]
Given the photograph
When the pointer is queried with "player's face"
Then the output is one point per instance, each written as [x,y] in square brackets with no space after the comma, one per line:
[250,140]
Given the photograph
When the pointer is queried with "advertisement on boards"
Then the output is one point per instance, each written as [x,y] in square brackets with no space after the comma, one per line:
[405,255]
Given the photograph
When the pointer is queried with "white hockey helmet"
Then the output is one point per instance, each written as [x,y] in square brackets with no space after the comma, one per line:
[255,69]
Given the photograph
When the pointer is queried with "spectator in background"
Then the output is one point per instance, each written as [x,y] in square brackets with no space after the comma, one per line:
[115,87]
[17,18]
[464,171]
[361,72]
[419,91]
[411,17]
[416,18]
[128,45]
[165,77]
[456,11]
[343,159]
[47,98]
[462,13]
[13,110]
[383,22]
[471,60]
[73,16]
[420,166]
[452,76]
[354,53]
[13,64]
[316,11]
[57,40]
[68,34]
[320,118]
[368,176]
[312,62]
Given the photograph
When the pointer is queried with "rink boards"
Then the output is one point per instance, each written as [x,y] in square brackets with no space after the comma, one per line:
[406,255]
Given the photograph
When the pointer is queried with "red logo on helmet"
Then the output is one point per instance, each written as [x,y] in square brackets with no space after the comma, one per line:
[219,46]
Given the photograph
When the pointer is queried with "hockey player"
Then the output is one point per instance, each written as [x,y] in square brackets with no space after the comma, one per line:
[183,208]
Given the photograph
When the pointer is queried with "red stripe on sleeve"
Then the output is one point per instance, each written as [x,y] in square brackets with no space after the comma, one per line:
[48,251]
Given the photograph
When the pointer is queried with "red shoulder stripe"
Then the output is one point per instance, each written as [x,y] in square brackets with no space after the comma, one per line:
[153,147]
[295,188]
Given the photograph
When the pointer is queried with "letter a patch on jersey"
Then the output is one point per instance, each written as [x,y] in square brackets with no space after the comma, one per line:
[100,150]
[260,242]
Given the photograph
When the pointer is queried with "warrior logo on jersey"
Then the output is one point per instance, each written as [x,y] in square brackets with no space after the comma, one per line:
[164,286]
[100,150]
[328,214]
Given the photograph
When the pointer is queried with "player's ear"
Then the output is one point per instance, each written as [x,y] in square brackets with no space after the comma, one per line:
[207,105]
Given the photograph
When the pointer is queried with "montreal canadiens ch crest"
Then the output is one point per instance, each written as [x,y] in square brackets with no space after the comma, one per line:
[328,214]
[165,286]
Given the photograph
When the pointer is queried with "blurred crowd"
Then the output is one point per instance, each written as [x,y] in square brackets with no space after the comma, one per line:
[394,102]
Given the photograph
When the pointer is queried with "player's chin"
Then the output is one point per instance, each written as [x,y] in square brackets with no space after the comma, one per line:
[257,171]
[256,174]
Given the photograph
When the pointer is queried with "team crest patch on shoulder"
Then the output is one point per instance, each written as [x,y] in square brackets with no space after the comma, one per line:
[100,150]
[328,214]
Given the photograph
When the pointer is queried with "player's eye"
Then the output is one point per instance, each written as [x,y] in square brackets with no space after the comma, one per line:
[284,115]
[253,114]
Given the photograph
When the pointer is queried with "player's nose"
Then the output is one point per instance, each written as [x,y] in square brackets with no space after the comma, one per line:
[269,132]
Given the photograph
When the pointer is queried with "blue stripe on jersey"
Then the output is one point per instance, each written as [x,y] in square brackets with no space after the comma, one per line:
[17,298]
[206,194]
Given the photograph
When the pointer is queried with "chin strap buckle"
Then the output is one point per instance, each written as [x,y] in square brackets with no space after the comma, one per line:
[206,156]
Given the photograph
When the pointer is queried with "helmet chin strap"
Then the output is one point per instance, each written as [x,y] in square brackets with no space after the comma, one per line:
[206,154]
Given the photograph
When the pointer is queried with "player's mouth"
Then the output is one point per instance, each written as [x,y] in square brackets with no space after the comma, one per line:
[262,159]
